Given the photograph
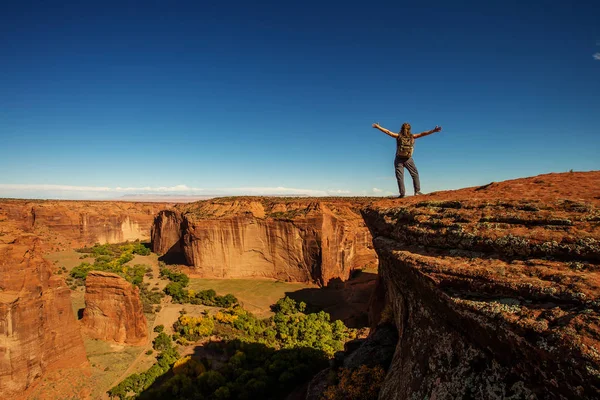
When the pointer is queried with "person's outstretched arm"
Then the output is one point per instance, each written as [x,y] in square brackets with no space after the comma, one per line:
[387,132]
[434,130]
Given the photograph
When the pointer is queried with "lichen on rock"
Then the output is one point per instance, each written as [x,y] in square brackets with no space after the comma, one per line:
[494,290]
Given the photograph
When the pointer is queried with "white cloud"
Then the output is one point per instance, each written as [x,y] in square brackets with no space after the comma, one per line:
[376,190]
[338,191]
[596,56]
[69,191]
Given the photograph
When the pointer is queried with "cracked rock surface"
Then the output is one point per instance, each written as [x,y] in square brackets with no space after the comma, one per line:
[494,290]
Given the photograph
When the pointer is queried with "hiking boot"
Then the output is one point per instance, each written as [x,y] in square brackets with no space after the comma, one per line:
[418,193]
[400,197]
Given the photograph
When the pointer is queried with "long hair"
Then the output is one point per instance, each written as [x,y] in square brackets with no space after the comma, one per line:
[405,129]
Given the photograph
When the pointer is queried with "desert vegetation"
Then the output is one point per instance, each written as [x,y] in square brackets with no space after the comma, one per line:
[243,355]
[111,258]
[136,383]
[177,289]
[116,258]
[247,357]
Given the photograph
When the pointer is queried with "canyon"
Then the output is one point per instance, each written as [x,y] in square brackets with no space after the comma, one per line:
[38,329]
[68,224]
[302,240]
[39,333]
[486,292]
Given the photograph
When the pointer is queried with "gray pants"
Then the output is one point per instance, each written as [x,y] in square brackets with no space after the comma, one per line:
[399,164]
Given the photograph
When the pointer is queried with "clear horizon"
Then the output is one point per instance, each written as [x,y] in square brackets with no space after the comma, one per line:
[103,100]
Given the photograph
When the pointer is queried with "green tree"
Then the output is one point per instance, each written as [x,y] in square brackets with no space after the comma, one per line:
[176,291]
[162,342]
[285,306]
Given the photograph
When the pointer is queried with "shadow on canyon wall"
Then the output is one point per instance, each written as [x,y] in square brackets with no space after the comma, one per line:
[175,255]
[344,300]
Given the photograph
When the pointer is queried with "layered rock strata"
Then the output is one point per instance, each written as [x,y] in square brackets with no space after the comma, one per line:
[67,224]
[304,240]
[113,310]
[494,290]
[38,330]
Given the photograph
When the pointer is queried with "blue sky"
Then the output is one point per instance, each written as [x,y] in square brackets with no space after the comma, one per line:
[101,99]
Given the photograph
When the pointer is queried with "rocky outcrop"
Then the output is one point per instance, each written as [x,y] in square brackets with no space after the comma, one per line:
[39,334]
[494,290]
[67,224]
[113,310]
[38,330]
[287,239]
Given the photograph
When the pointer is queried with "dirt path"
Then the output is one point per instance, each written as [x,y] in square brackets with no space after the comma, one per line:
[167,317]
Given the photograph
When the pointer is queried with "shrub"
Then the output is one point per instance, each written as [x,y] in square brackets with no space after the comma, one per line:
[162,342]
[159,328]
[173,276]
[272,356]
[211,381]
[81,271]
[176,291]
[225,301]
[137,383]
[140,249]
[188,366]
[288,306]
[194,328]
[112,258]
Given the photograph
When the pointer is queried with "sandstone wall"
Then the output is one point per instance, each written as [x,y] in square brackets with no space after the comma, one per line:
[113,310]
[494,291]
[38,330]
[292,240]
[67,224]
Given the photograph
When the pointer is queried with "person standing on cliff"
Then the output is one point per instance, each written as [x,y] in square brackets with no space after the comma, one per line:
[405,144]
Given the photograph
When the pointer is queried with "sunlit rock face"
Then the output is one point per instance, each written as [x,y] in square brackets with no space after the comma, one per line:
[113,310]
[494,290]
[67,224]
[303,240]
[38,330]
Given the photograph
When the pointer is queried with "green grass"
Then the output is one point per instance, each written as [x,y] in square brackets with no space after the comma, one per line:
[67,258]
[256,295]
[103,355]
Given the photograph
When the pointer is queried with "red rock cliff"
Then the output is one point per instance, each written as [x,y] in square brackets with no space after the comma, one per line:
[113,309]
[287,239]
[76,223]
[38,330]
[494,290]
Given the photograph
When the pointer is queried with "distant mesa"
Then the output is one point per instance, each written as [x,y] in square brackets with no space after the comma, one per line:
[69,224]
[181,198]
[164,198]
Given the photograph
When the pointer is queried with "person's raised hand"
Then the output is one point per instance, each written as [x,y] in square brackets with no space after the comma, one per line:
[375,125]
[437,128]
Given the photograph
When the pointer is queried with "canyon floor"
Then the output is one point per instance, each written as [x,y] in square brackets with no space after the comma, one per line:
[111,363]
[480,284]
